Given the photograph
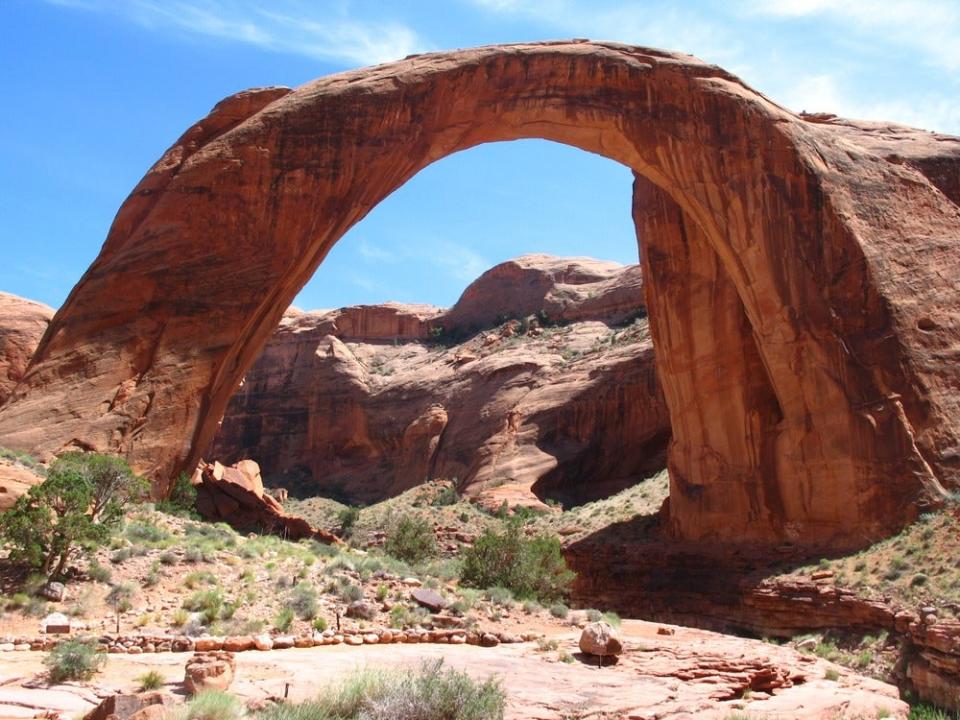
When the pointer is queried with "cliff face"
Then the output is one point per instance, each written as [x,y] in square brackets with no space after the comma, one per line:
[22,324]
[520,409]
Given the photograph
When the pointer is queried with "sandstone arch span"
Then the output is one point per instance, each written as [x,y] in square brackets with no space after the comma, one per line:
[806,331]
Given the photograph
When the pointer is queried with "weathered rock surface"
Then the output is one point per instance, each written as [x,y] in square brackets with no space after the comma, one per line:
[15,480]
[209,671]
[830,246]
[22,324]
[235,495]
[572,412]
[124,706]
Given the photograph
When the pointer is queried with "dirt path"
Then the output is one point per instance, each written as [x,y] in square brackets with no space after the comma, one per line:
[690,674]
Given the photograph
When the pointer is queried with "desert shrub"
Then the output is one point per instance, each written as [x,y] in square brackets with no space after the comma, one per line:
[182,498]
[207,602]
[145,531]
[499,595]
[347,518]
[283,619]
[929,712]
[319,624]
[74,660]
[169,558]
[411,539]
[212,705]
[75,509]
[98,573]
[434,692]
[119,598]
[532,568]
[447,496]
[303,601]
[559,610]
[612,618]
[150,680]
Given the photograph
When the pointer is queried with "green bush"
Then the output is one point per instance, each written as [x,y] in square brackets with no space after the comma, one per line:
[74,660]
[283,620]
[532,568]
[75,509]
[411,539]
[151,680]
[182,498]
[207,602]
[348,519]
[433,692]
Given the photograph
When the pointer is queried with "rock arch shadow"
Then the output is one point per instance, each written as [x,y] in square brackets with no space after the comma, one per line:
[803,399]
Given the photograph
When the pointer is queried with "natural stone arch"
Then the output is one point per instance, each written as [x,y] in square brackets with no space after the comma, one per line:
[782,231]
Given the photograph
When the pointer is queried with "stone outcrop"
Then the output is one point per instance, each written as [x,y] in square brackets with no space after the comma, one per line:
[209,670]
[522,411]
[830,246]
[22,324]
[235,495]
[633,571]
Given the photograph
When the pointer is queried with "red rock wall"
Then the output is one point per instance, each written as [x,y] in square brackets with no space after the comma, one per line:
[22,324]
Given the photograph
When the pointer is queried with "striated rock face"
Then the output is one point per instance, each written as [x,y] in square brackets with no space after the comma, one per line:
[22,324]
[571,412]
[235,495]
[830,246]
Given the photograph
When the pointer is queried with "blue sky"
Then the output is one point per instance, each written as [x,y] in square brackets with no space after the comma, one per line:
[95,90]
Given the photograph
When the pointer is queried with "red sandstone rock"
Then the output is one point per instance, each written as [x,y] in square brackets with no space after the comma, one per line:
[209,671]
[235,495]
[15,480]
[574,413]
[22,324]
[832,320]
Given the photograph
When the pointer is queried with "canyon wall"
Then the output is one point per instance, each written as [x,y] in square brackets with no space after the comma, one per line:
[363,403]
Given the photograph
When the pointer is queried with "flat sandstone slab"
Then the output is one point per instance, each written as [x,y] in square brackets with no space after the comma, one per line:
[690,674]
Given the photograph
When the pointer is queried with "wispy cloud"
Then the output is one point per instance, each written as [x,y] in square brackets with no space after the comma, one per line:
[289,26]
[929,27]
[826,93]
[457,261]
[375,253]
[653,24]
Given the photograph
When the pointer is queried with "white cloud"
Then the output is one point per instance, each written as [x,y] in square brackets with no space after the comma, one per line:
[929,27]
[286,26]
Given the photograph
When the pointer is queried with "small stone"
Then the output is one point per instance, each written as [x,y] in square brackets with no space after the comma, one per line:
[458,639]
[371,638]
[666,630]
[238,643]
[489,640]
[263,642]
[352,640]
[412,582]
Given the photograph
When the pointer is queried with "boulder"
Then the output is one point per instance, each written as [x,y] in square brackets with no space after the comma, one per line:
[430,599]
[209,671]
[362,610]
[127,706]
[601,639]
[234,494]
